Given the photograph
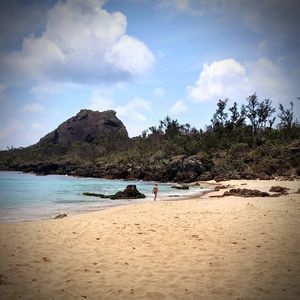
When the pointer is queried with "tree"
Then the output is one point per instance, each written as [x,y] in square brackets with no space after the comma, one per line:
[169,126]
[237,118]
[286,116]
[264,113]
[259,113]
[220,116]
[251,110]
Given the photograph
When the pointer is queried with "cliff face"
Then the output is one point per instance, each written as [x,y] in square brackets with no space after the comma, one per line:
[89,126]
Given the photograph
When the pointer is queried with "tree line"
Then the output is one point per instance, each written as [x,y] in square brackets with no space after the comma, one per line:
[252,123]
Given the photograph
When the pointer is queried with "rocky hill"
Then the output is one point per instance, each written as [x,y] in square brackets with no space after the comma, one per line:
[96,144]
[89,126]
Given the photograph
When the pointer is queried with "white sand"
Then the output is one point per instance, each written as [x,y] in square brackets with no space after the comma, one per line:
[205,248]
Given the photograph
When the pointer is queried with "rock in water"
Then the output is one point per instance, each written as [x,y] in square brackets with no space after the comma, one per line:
[130,192]
[180,187]
[89,126]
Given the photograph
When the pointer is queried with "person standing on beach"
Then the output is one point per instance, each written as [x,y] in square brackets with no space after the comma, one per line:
[155,191]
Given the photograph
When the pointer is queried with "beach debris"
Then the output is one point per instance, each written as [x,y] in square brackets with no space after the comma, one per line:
[279,189]
[46,259]
[130,192]
[219,187]
[3,279]
[180,186]
[60,216]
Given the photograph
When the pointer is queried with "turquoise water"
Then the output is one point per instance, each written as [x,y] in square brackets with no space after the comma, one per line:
[26,196]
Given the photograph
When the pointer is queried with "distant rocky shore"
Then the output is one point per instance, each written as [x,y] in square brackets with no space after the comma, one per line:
[96,144]
[179,169]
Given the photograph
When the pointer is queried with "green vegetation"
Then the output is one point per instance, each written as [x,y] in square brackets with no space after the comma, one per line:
[239,143]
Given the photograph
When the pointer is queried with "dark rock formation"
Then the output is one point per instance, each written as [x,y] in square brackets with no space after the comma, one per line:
[246,193]
[96,195]
[185,169]
[89,126]
[130,192]
[219,187]
[279,189]
[180,187]
[61,216]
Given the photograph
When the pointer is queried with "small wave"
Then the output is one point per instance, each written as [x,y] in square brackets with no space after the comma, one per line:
[76,201]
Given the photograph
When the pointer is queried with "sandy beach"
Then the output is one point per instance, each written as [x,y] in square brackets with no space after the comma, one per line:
[199,248]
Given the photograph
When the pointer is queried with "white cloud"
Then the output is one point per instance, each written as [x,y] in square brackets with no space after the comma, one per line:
[11,127]
[53,88]
[232,79]
[100,103]
[278,19]
[33,107]
[159,92]
[218,79]
[133,110]
[82,42]
[191,6]
[37,126]
[181,5]
[266,76]
[133,114]
[178,107]
[130,55]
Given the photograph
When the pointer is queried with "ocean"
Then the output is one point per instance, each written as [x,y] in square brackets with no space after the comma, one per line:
[25,196]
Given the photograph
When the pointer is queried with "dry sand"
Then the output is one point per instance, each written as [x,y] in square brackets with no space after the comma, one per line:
[204,248]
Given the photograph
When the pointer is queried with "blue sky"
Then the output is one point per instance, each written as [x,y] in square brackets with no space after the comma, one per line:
[144,59]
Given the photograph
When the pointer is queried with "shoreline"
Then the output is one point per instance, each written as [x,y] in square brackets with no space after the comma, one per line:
[191,196]
[51,211]
[199,248]
[108,207]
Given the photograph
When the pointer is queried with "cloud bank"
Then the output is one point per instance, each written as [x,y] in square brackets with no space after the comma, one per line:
[82,43]
[235,80]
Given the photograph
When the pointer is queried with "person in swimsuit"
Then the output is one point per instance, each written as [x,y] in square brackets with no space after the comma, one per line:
[155,191]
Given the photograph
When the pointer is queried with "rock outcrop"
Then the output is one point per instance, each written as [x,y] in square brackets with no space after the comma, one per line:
[61,216]
[180,186]
[279,189]
[89,126]
[246,193]
[130,192]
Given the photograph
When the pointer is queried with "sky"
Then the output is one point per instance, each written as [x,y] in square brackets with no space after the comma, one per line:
[144,59]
